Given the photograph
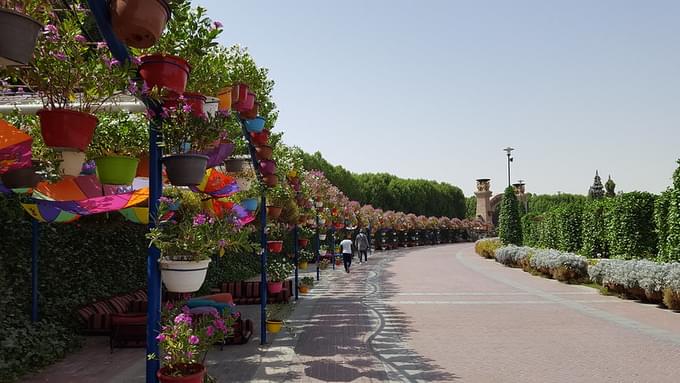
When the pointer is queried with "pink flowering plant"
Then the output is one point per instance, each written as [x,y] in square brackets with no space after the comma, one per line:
[69,71]
[185,338]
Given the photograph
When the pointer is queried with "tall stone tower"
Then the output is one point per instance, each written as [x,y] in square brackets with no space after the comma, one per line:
[483,195]
[597,190]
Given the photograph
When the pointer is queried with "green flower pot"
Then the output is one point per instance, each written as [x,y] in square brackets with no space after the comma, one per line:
[116,170]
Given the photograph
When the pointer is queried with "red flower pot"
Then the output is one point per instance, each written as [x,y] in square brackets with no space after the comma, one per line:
[247,104]
[274,212]
[263,152]
[260,138]
[270,180]
[239,93]
[195,100]
[274,287]
[139,23]
[267,167]
[194,373]
[303,242]
[250,114]
[274,246]
[163,71]
[339,225]
[67,129]
[143,166]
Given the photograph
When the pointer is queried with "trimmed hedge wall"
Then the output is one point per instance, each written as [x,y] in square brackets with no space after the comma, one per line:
[630,230]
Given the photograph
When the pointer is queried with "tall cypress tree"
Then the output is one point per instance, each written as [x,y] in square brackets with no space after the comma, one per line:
[672,248]
[510,226]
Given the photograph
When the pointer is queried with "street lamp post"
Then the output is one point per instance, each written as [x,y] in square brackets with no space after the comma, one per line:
[509,150]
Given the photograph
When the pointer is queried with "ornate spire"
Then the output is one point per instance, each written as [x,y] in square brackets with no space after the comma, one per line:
[610,186]
[597,190]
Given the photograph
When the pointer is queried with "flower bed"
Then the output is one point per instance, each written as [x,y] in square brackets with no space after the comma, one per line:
[566,267]
[487,247]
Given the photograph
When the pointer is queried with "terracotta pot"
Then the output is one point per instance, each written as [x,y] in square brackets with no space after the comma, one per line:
[267,167]
[139,23]
[303,242]
[143,166]
[225,99]
[274,246]
[251,113]
[67,129]
[20,178]
[18,34]
[185,169]
[263,152]
[195,100]
[270,180]
[260,138]
[170,72]
[196,374]
[274,287]
[274,212]
[303,289]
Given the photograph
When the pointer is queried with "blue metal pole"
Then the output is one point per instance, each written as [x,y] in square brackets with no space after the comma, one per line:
[153,275]
[317,246]
[296,251]
[263,273]
[35,243]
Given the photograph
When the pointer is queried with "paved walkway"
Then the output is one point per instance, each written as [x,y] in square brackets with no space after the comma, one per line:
[445,314]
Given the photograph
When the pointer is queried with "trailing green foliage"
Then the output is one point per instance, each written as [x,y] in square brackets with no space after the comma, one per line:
[531,229]
[549,235]
[661,215]
[630,226]
[593,229]
[569,234]
[510,229]
[471,207]
[543,203]
[672,242]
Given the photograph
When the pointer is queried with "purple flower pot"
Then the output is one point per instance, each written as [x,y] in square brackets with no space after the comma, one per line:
[267,167]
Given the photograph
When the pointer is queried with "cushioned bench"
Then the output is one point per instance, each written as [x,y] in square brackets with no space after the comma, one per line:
[248,293]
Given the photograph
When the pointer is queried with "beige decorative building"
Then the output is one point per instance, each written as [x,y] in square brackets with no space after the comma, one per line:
[483,195]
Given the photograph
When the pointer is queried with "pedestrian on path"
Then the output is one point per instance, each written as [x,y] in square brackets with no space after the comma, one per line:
[346,247]
[361,243]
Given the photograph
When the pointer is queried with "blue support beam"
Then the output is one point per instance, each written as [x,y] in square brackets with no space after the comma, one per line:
[263,273]
[35,244]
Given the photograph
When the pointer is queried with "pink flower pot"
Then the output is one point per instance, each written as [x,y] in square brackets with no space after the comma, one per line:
[274,287]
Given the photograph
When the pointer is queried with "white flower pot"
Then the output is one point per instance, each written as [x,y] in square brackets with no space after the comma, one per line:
[183,276]
[322,237]
[71,163]
[211,105]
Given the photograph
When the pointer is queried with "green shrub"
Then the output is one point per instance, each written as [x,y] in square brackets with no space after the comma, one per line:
[672,242]
[661,218]
[593,230]
[569,227]
[487,247]
[630,226]
[548,230]
[510,229]
[531,224]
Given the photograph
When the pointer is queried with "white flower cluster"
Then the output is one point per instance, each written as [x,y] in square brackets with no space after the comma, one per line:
[513,255]
[550,260]
[647,275]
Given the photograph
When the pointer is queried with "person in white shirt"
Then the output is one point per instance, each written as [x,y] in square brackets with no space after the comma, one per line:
[346,247]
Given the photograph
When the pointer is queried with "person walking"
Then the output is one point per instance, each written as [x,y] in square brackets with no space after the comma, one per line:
[346,248]
[361,243]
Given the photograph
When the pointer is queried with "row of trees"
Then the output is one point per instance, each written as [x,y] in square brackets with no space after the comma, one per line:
[388,192]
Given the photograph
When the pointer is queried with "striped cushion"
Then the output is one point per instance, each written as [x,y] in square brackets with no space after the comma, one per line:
[85,314]
[120,304]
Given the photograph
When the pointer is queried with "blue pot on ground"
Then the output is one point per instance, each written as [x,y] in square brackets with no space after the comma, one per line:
[249,204]
[256,125]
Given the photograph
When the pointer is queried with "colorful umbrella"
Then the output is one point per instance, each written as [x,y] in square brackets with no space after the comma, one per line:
[49,214]
[220,153]
[217,184]
[15,148]
[136,214]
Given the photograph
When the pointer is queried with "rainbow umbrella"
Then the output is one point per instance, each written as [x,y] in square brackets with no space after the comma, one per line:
[15,148]
[49,214]
[218,154]
[216,184]
[136,214]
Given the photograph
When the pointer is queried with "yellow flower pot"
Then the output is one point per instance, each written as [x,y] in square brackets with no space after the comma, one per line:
[302,265]
[303,289]
[274,325]
[225,99]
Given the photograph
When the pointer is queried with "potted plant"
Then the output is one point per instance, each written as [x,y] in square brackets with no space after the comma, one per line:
[306,283]
[277,197]
[139,23]
[304,235]
[185,340]
[324,263]
[120,140]
[275,315]
[275,234]
[18,31]
[304,257]
[278,270]
[187,238]
[87,77]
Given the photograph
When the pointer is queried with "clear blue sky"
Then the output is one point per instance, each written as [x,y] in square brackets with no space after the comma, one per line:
[435,89]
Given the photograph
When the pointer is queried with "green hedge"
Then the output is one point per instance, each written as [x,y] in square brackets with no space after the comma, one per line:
[569,230]
[671,244]
[630,229]
[531,229]
[593,233]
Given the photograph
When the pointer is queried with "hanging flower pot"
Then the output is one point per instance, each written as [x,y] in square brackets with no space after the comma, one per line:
[338,225]
[303,242]
[251,113]
[193,373]
[66,129]
[239,93]
[274,325]
[274,212]
[20,178]
[274,246]
[183,276]
[249,204]
[267,167]
[196,102]
[263,152]
[338,262]
[303,289]
[143,166]
[322,237]
[71,163]
[236,165]
[246,101]
[260,138]
[116,170]
[139,23]
[270,180]
[256,125]
[274,287]
[162,71]
[185,169]
[224,96]
[18,34]
[303,265]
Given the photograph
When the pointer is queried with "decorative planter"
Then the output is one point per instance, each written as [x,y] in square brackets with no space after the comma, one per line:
[270,180]
[260,138]
[195,100]
[239,93]
[212,105]
[163,71]
[263,152]
[303,265]
[66,129]
[249,204]
[322,237]
[251,113]
[139,23]
[267,167]
[274,246]
[256,125]
[274,287]
[185,169]
[116,170]
[20,178]
[274,212]
[196,374]
[338,226]
[303,242]
[236,165]
[183,276]
[143,166]
[18,34]
[338,262]
[71,163]
[224,96]
[274,325]
[303,289]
